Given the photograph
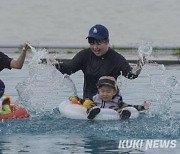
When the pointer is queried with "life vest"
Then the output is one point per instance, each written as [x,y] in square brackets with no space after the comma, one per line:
[3,99]
[106,104]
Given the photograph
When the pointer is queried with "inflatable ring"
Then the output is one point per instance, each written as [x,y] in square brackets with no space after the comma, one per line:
[75,111]
[17,112]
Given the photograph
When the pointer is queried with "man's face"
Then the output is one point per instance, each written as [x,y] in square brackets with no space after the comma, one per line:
[99,48]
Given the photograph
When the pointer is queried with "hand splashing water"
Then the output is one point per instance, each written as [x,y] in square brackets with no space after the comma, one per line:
[31,47]
[44,88]
[162,82]
[144,51]
[42,84]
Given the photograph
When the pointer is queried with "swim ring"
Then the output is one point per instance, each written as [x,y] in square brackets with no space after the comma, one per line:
[17,112]
[75,111]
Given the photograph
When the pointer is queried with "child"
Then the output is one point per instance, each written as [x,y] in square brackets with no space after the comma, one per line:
[108,97]
[5,100]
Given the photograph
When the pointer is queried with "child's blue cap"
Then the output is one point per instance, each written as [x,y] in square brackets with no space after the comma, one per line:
[2,88]
[98,32]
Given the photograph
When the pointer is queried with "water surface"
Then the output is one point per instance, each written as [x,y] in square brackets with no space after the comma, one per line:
[42,88]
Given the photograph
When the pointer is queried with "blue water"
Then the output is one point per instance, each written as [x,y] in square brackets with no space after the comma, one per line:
[42,88]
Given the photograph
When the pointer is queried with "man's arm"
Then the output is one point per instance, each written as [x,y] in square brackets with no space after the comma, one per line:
[17,64]
[135,69]
[138,67]
[72,66]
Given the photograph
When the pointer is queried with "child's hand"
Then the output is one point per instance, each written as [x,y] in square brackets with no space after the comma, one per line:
[146,105]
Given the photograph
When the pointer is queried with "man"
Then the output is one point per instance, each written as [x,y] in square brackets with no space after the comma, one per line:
[98,60]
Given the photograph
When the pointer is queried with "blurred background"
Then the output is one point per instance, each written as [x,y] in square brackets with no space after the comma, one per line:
[54,22]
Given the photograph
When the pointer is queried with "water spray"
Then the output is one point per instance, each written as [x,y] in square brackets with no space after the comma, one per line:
[72,84]
[144,51]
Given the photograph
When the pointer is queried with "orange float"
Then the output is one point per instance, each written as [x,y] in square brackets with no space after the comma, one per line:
[16,113]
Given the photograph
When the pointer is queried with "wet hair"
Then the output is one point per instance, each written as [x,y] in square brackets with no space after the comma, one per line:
[92,40]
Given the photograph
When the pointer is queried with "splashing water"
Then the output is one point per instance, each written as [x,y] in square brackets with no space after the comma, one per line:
[163,85]
[44,85]
[70,83]
[145,50]
[37,90]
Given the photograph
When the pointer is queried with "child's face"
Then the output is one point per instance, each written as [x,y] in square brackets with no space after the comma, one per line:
[106,93]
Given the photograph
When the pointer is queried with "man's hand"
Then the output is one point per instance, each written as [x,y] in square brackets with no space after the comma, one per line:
[138,67]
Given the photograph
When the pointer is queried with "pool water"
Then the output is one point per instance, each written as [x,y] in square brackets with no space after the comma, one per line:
[40,88]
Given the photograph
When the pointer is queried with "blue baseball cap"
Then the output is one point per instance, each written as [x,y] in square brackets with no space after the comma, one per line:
[2,88]
[98,32]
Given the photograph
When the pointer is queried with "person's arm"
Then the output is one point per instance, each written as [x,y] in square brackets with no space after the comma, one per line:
[136,69]
[127,71]
[131,71]
[17,64]
[75,64]
[63,67]
[144,106]
[122,104]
